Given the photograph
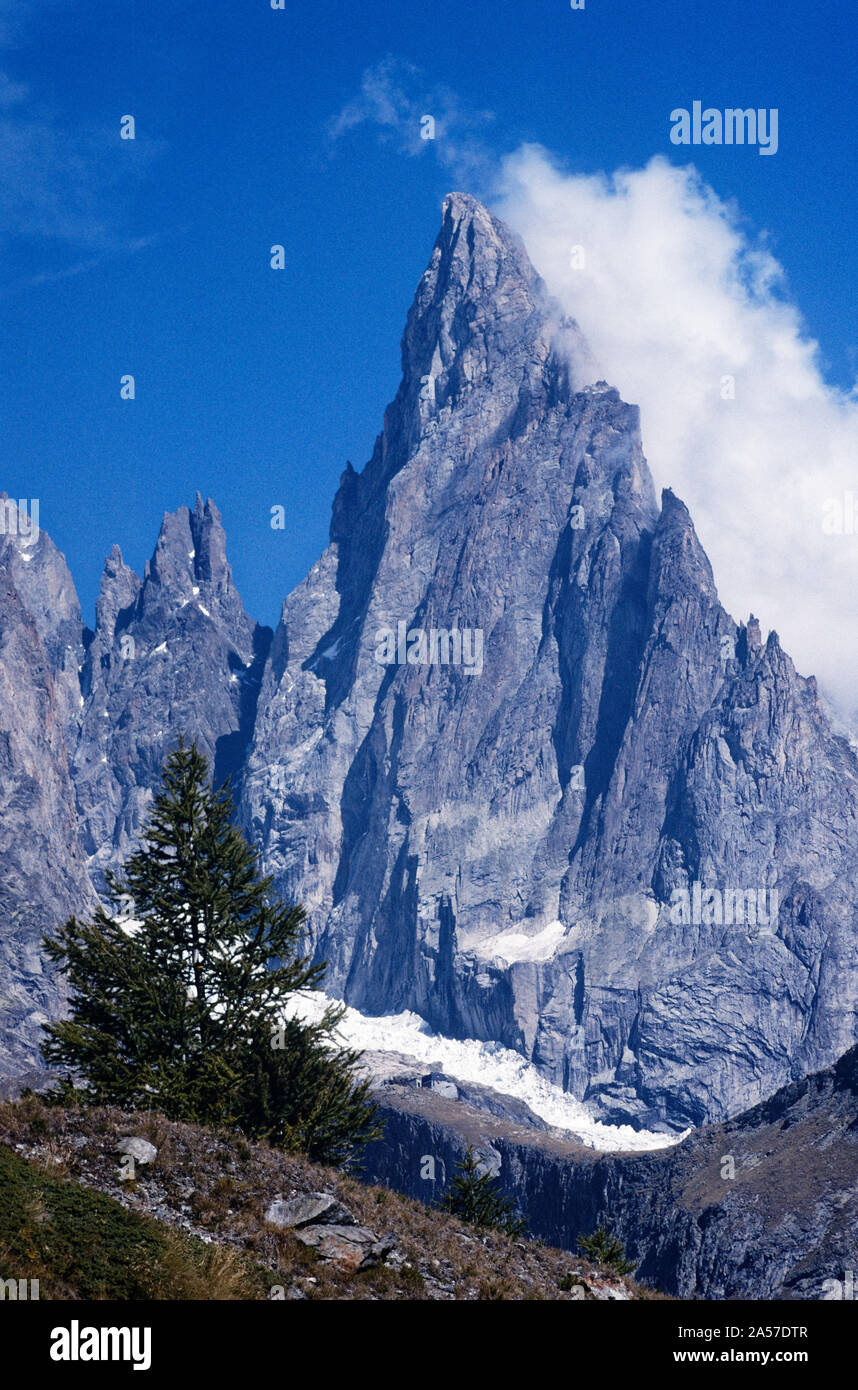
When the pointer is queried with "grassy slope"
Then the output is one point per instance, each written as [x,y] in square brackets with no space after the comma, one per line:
[81,1244]
[192,1225]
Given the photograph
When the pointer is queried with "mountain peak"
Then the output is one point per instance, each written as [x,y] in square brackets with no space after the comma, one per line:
[475,255]
[209,539]
[118,589]
[191,548]
[462,212]
[462,205]
[681,560]
[480,310]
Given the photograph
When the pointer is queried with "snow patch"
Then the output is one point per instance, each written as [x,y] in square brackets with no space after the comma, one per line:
[329,653]
[129,925]
[488,1063]
[512,945]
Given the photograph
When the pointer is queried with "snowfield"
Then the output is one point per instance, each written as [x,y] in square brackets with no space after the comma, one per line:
[513,946]
[487,1064]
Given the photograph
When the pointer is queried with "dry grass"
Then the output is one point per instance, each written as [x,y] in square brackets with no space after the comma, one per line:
[216,1187]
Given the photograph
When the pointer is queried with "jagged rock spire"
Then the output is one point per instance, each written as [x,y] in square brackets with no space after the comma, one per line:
[614,746]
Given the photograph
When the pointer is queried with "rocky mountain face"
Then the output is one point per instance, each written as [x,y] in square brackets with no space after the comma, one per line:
[43,872]
[527,776]
[763,1206]
[172,654]
[516,759]
[86,720]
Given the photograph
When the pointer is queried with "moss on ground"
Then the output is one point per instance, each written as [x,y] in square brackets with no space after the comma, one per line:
[82,1244]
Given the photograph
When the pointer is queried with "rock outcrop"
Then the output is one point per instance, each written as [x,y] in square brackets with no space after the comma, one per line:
[43,872]
[86,720]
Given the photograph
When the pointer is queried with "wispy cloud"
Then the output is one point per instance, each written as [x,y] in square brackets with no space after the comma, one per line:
[63,182]
[64,189]
[68,272]
[11,93]
[394,100]
[20,19]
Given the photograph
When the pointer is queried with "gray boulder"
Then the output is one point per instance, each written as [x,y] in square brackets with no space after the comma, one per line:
[310,1208]
[351,1248]
[138,1149]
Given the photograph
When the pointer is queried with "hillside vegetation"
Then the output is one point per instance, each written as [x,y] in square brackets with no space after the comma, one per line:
[208,1218]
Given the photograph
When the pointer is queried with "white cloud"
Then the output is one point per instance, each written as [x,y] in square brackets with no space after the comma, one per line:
[675,295]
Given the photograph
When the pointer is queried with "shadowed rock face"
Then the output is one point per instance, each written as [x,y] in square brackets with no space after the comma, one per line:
[43,877]
[623,739]
[764,1206]
[42,580]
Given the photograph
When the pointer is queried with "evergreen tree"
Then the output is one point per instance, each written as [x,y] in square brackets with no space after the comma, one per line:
[604,1249]
[181,1004]
[473,1196]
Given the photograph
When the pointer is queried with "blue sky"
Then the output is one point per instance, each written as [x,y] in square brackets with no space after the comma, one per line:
[255,386]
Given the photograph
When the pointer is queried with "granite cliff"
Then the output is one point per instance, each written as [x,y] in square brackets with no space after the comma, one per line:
[500,842]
